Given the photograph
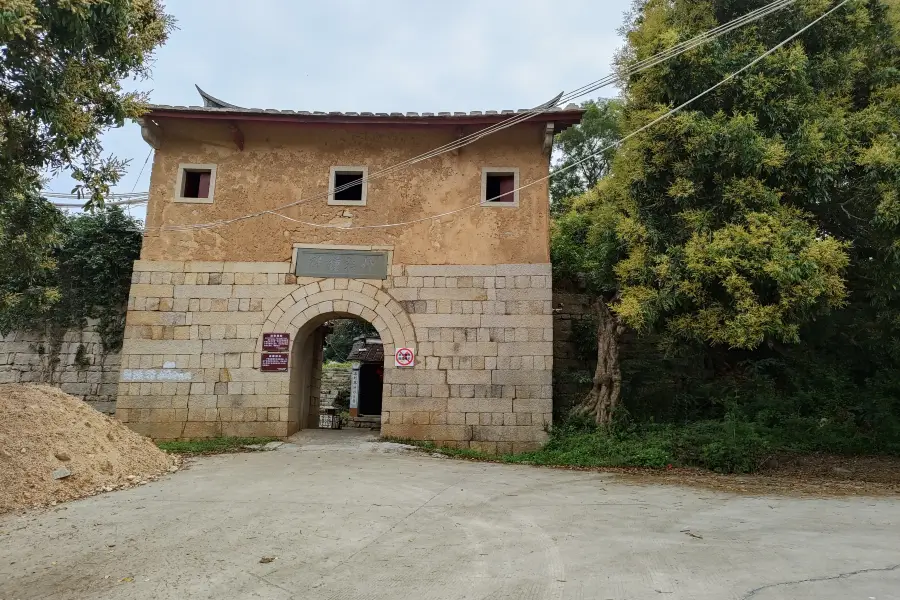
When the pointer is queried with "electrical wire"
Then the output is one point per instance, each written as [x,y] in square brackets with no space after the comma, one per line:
[613,145]
[140,197]
[146,160]
[519,117]
[110,195]
[586,89]
[130,202]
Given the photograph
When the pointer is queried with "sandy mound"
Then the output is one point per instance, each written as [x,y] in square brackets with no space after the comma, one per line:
[45,433]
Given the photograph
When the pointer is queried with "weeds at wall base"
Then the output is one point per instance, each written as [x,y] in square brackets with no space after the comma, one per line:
[728,446]
[220,445]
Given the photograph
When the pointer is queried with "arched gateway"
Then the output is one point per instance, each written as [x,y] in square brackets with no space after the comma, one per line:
[302,313]
[448,257]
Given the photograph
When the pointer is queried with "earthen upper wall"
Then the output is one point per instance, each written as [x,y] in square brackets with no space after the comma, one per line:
[287,163]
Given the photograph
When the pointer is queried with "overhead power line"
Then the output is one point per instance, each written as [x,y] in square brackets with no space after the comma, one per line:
[520,117]
[117,199]
[59,199]
[129,202]
[666,115]
[584,90]
[144,166]
[113,195]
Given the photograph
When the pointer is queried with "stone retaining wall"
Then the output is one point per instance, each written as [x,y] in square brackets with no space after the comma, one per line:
[574,351]
[79,366]
[335,379]
[21,358]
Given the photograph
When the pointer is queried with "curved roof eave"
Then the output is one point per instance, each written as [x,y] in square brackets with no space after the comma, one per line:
[213,102]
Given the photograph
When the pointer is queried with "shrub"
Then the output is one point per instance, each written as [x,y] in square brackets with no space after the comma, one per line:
[729,446]
[78,268]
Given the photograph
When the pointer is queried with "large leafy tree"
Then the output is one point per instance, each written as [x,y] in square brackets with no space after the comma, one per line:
[760,206]
[584,153]
[62,64]
[61,68]
[30,231]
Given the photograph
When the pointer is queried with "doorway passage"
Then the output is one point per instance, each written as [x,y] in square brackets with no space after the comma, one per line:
[337,374]
[367,380]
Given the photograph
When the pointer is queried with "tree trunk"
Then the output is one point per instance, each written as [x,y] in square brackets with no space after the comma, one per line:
[601,402]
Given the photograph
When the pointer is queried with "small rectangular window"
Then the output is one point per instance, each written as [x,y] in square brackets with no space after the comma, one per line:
[196,183]
[346,186]
[341,183]
[499,186]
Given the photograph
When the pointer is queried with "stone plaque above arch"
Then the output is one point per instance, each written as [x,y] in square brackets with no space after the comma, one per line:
[355,264]
[342,261]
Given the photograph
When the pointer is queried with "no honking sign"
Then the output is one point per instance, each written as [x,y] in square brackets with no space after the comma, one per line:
[404,357]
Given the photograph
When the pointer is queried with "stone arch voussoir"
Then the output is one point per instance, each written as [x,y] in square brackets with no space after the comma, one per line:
[341,296]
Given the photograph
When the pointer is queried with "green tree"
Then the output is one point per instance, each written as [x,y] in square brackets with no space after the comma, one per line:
[30,234]
[339,342]
[60,73]
[754,210]
[580,165]
[61,68]
[58,270]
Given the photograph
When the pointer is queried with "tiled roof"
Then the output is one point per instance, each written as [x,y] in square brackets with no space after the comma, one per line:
[570,110]
[364,352]
[214,108]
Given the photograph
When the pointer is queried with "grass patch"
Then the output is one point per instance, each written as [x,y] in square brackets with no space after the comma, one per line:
[334,366]
[730,445]
[723,447]
[582,450]
[720,446]
[465,453]
[219,445]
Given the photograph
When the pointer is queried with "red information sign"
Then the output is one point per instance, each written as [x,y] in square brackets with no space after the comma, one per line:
[276,342]
[274,362]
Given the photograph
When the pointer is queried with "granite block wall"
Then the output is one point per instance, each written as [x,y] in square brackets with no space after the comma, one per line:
[483,337]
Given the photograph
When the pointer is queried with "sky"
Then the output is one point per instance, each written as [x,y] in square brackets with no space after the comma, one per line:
[358,55]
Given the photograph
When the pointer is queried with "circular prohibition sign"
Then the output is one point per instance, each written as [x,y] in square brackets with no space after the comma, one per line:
[404,357]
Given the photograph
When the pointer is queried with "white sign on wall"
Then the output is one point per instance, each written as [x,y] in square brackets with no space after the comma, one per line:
[354,386]
[156,375]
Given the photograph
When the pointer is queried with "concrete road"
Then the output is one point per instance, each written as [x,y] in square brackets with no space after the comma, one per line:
[346,518]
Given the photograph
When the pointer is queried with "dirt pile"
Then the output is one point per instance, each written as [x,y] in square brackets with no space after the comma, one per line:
[54,447]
